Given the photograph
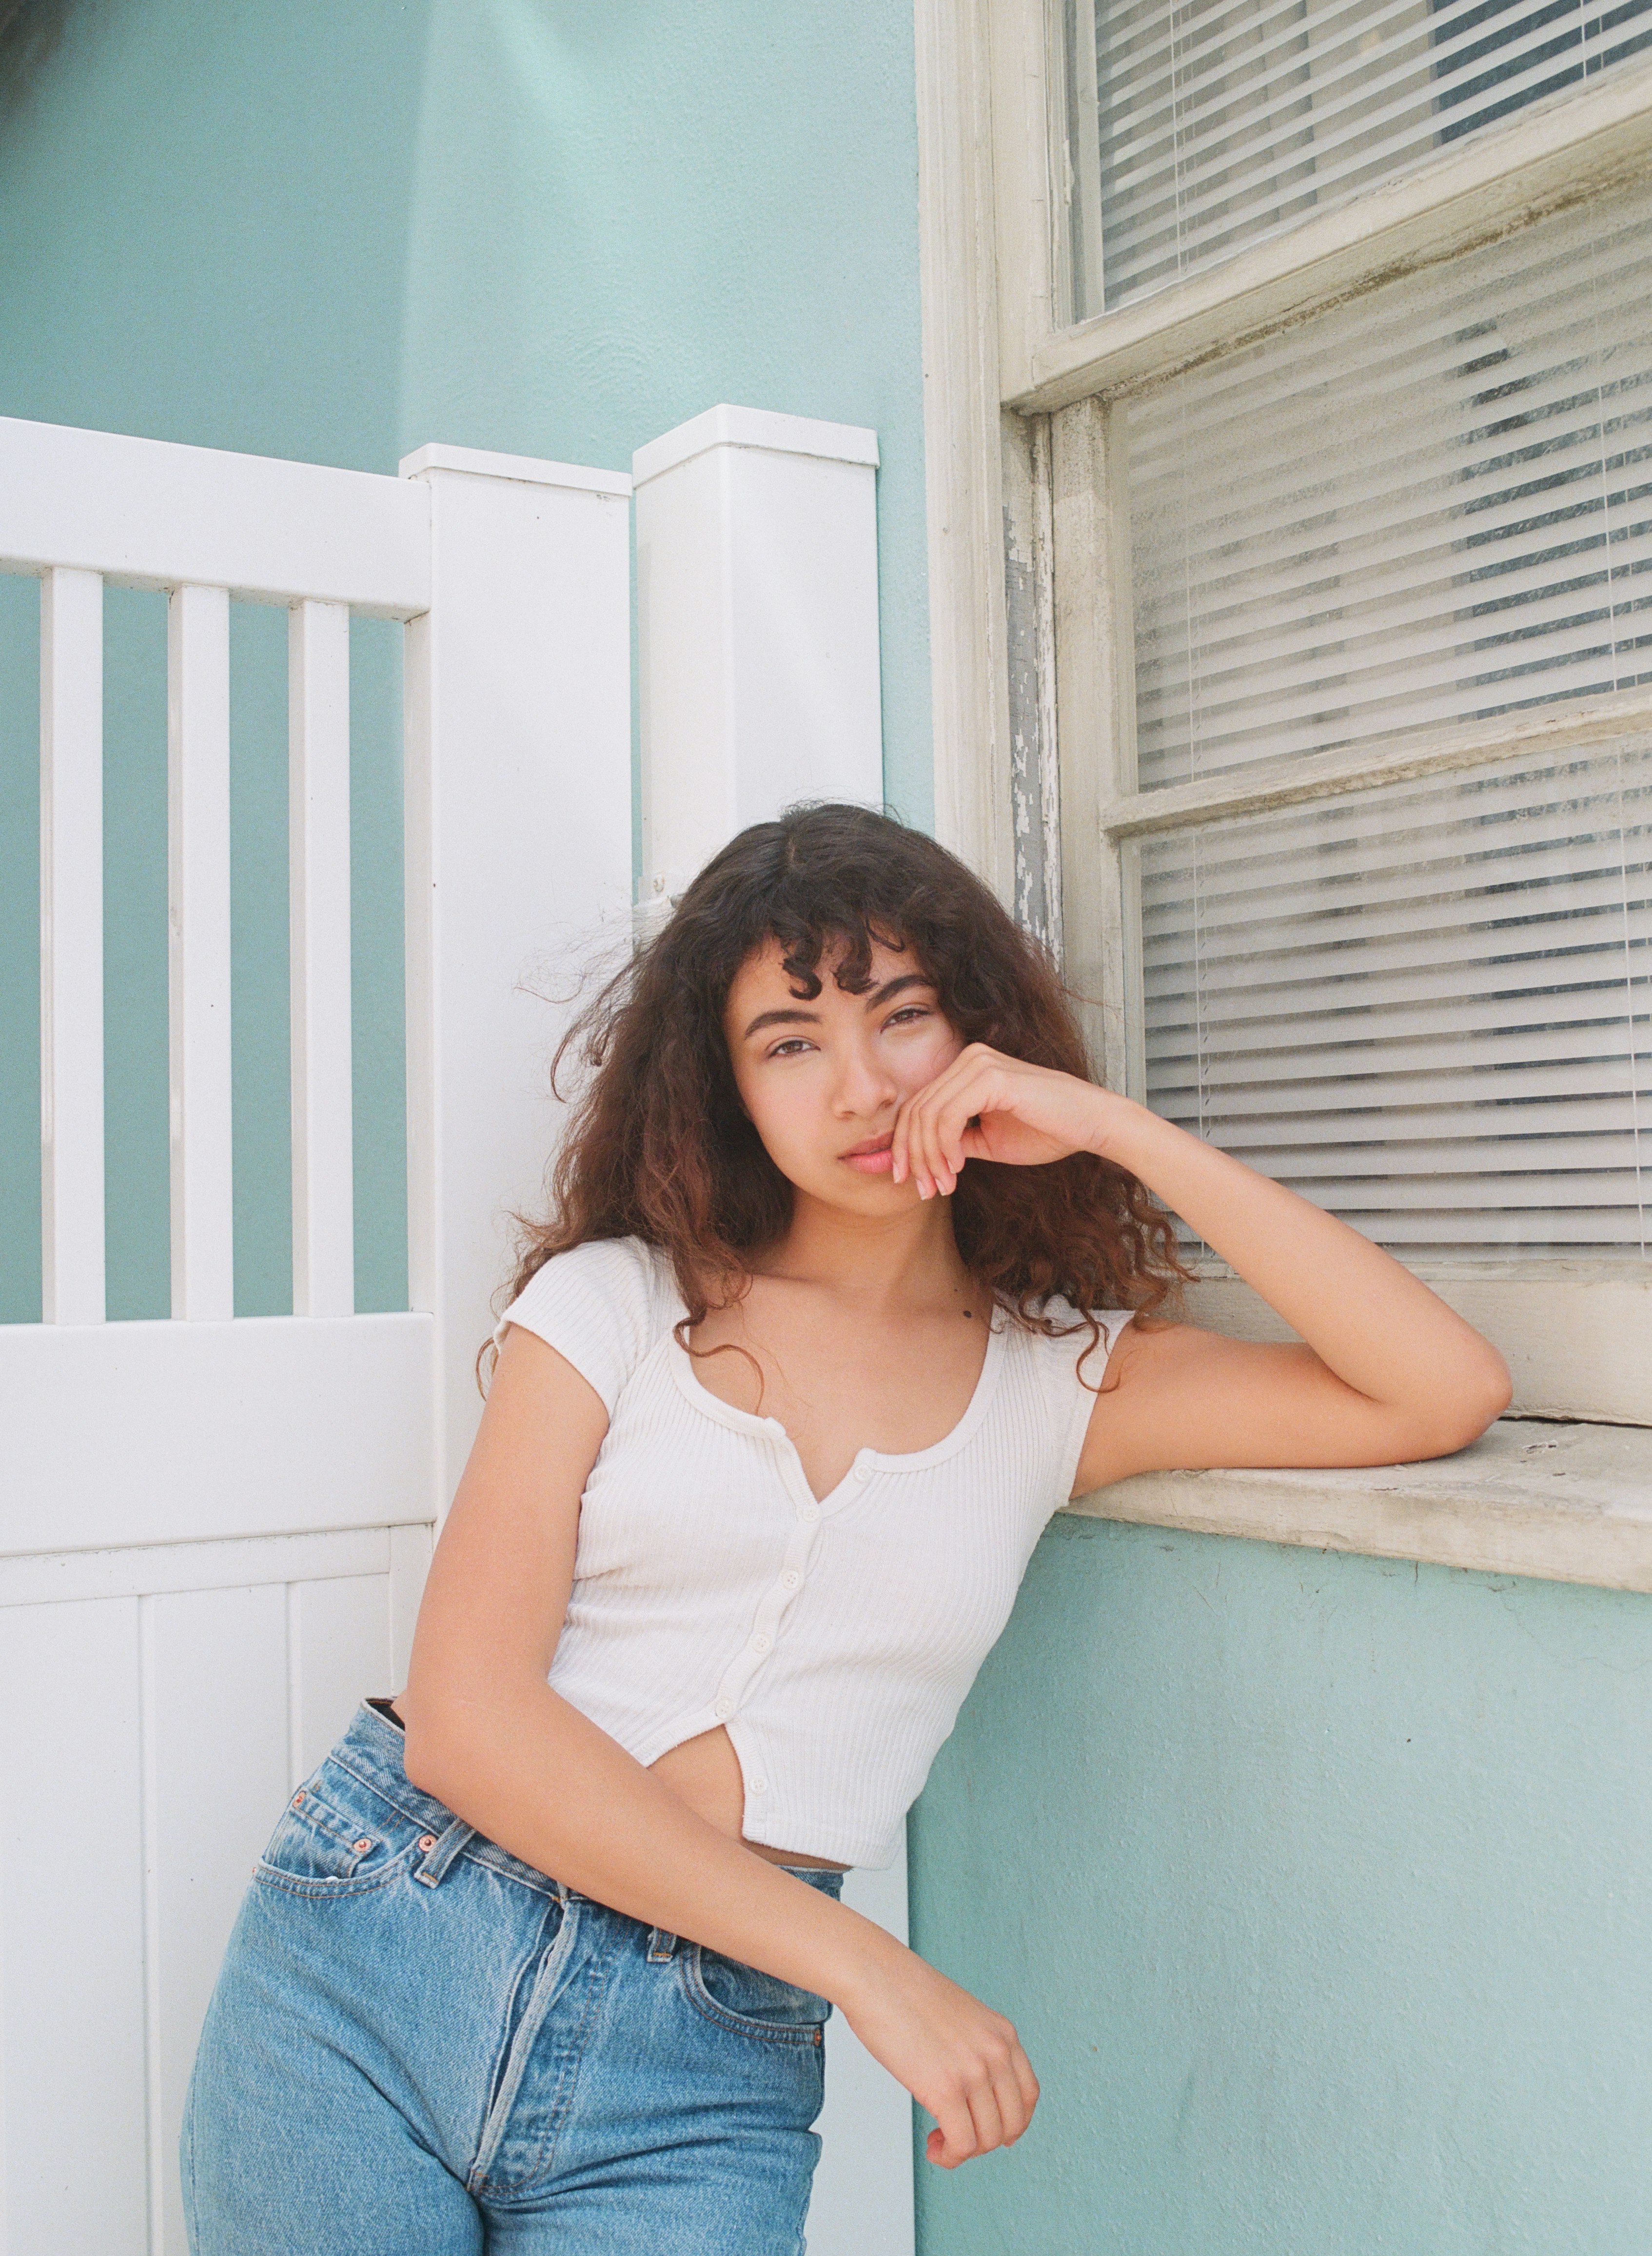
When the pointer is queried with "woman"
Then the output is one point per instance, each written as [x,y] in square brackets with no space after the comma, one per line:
[848,1284]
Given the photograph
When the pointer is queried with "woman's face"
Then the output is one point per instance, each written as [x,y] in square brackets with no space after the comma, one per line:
[823,1081]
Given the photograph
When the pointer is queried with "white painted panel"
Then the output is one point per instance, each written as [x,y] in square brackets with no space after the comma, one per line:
[410,1562]
[215,1779]
[339,1648]
[54,1577]
[517,823]
[72,2056]
[198,951]
[151,514]
[266,1426]
[71,947]
[146,1747]
[319,958]
[757,627]
[862,2199]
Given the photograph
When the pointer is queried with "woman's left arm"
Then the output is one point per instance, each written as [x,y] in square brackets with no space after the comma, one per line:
[1387,1373]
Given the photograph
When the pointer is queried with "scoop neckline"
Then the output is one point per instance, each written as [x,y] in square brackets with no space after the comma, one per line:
[746,1421]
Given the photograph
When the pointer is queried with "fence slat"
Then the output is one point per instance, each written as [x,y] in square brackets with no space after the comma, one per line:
[198,951]
[71,947]
[319,865]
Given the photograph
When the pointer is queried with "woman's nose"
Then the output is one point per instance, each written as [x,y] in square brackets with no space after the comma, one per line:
[863,1087]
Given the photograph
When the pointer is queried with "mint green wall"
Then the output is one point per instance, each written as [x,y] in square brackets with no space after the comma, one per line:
[1317,1888]
[334,232]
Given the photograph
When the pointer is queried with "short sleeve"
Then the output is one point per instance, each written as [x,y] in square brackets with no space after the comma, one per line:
[1080,1386]
[602,1305]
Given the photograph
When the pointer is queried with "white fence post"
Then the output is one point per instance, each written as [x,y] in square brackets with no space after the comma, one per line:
[518,843]
[757,628]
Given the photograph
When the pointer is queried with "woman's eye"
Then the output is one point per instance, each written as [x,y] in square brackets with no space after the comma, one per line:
[908,1014]
[793,1046]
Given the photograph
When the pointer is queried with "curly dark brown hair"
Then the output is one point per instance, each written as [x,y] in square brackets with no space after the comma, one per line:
[658,1146]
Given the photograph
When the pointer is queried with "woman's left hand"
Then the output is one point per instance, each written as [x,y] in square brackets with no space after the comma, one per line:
[987,1106]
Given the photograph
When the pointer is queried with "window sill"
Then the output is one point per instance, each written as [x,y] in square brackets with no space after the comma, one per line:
[1566,1503]
[1577,1333]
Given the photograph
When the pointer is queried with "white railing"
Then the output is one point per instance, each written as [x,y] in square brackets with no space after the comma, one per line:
[77,507]
[516,815]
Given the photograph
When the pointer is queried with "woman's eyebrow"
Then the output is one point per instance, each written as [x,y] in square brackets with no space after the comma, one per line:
[878,996]
[881,995]
[781,1018]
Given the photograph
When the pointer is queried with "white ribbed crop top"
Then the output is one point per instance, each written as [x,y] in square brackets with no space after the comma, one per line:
[834,1638]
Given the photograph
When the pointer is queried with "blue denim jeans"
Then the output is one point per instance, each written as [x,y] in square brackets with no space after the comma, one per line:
[420,2046]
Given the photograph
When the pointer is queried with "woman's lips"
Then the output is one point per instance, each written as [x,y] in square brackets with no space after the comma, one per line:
[873,1157]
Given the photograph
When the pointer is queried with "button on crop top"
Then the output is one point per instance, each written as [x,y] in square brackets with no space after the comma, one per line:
[834,1638]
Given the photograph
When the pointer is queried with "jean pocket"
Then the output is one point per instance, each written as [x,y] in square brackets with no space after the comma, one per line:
[759,2005]
[321,1847]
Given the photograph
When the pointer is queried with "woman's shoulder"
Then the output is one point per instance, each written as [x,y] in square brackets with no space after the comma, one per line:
[1067,1356]
[1064,1367]
[603,1305]
[613,1264]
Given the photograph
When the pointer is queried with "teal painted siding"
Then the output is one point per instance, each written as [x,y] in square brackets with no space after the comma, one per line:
[334,233]
[1316,1886]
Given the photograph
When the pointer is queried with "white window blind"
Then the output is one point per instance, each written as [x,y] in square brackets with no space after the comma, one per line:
[1194,129]
[1432,504]
[1427,1005]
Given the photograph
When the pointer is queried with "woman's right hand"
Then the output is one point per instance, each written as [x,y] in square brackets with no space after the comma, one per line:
[957,2058]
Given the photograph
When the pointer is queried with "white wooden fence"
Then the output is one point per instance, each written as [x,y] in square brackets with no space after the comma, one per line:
[213,1532]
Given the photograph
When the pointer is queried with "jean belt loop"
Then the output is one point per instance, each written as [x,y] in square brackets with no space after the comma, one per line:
[662,1947]
[440,1850]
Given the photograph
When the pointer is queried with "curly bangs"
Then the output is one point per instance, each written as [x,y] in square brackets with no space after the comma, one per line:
[658,1146]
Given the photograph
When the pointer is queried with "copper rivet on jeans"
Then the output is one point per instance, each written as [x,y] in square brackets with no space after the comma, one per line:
[366,1841]
[427,1842]
[298,1800]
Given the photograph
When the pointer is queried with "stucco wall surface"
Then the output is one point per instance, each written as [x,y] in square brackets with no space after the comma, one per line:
[334,233]
[1316,1886]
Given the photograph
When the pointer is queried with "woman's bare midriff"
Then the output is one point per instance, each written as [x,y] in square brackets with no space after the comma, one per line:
[705,1772]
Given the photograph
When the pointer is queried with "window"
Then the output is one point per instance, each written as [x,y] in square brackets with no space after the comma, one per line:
[1192,129]
[1324,331]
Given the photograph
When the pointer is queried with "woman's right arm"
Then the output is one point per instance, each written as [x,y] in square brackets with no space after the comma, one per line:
[488,1736]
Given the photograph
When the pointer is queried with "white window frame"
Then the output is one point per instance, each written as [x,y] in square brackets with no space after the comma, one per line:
[1019,424]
